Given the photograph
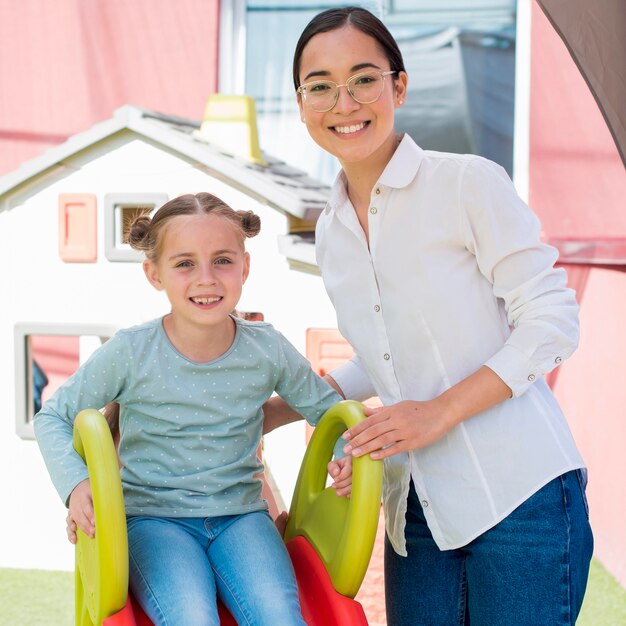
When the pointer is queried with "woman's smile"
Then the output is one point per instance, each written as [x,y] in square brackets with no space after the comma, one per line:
[349,129]
[361,135]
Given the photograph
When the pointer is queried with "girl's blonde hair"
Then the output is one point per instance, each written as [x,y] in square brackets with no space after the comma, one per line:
[146,233]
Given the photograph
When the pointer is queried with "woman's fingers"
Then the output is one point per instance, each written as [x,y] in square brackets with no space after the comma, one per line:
[378,433]
[376,416]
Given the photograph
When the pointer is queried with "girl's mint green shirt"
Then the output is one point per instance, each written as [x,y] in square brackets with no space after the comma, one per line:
[189,432]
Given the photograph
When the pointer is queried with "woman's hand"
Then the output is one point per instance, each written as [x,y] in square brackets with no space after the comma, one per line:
[340,471]
[80,514]
[411,424]
[398,428]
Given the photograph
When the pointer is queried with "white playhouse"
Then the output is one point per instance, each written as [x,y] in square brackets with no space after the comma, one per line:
[69,280]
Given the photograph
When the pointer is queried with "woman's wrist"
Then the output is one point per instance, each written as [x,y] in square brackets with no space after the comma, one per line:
[478,392]
[449,405]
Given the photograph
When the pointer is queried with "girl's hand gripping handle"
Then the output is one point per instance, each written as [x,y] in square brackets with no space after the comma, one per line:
[80,514]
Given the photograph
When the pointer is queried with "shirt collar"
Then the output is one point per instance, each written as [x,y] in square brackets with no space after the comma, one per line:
[338,193]
[403,166]
[400,171]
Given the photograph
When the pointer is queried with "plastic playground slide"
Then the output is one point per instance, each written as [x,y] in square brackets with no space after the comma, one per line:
[329,539]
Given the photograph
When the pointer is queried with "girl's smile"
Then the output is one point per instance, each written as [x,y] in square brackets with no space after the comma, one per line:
[206,301]
[202,268]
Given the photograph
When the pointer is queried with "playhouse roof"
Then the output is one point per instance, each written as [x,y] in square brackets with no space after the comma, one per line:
[282,187]
[277,184]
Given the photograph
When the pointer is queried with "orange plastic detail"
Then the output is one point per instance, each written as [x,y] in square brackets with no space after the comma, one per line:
[78,227]
[326,349]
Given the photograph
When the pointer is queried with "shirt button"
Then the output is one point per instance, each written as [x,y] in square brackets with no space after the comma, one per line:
[531,377]
[558,360]
[377,192]
[386,356]
[373,210]
[425,503]
[376,308]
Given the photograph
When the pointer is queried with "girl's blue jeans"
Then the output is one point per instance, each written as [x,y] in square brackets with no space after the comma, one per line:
[178,565]
[529,570]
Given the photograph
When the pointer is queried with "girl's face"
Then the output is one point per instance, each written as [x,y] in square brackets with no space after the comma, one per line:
[354,133]
[202,268]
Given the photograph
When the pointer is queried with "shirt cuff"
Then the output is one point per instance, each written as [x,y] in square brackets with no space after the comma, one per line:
[514,368]
[353,381]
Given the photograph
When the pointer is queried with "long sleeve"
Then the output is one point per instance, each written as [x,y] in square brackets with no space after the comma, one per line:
[353,380]
[504,235]
[93,385]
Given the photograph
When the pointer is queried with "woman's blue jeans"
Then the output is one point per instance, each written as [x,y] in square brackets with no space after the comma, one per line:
[529,570]
[178,565]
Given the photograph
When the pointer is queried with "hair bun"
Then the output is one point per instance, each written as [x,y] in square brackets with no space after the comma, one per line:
[138,232]
[250,223]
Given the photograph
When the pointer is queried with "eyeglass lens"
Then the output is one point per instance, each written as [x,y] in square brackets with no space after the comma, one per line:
[365,88]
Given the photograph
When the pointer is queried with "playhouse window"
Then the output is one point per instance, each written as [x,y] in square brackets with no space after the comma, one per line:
[46,355]
[120,209]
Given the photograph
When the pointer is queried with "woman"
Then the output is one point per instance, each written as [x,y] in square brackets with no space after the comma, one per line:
[455,312]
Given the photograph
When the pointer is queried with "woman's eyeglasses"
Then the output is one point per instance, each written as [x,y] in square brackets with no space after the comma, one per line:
[364,87]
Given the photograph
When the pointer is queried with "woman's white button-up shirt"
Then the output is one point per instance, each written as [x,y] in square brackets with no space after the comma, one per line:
[454,277]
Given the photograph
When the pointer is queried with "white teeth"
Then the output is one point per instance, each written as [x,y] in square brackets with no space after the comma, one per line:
[206,300]
[349,129]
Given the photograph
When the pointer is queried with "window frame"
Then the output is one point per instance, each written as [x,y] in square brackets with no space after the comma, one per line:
[23,363]
[115,250]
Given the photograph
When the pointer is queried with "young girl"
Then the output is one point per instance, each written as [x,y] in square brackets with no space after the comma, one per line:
[455,312]
[191,386]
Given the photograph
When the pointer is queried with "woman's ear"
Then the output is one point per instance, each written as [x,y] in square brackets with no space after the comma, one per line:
[152,274]
[400,88]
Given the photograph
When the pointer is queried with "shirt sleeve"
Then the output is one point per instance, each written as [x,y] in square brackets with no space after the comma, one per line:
[504,235]
[301,387]
[353,379]
[96,383]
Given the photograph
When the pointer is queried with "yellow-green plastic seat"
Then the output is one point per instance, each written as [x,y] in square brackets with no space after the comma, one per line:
[340,530]
[101,576]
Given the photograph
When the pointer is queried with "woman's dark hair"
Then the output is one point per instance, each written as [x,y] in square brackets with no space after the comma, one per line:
[361,19]
[146,233]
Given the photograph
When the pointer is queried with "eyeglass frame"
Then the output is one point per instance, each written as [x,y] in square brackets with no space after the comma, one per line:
[302,89]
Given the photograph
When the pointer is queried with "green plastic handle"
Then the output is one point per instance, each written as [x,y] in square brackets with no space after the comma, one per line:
[341,530]
[102,562]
